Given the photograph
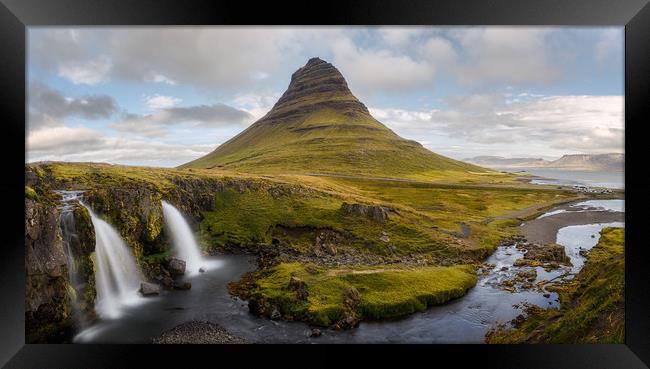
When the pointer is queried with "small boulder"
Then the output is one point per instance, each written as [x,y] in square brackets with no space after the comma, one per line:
[330,248]
[298,285]
[149,289]
[168,282]
[352,298]
[275,314]
[176,266]
[315,332]
[384,238]
[374,212]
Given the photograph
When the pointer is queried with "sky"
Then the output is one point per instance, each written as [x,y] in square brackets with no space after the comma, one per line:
[162,96]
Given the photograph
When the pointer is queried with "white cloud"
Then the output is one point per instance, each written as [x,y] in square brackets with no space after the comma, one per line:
[438,51]
[371,70]
[400,36]
[157,102]
[508,55]
[89,72]
[403,119]
[552,125]
[83,144]
[567,123]
[257,104]
[158,78]
[61,139]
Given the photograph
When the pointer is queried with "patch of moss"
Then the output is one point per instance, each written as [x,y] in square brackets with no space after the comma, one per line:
[30,193]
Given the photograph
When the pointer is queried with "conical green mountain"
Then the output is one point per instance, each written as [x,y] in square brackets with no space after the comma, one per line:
[318,126]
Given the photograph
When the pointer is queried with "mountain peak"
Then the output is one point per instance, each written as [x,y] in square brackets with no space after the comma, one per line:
[315,60]
[318,84]
[318,125]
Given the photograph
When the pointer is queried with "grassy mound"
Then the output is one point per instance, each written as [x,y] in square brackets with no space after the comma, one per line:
[381,292]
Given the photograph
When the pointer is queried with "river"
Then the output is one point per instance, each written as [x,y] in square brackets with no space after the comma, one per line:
[464,320]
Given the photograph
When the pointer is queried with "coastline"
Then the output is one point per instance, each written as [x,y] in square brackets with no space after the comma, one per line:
[544,230]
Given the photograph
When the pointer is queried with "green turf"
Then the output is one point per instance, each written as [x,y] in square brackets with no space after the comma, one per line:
[386,291]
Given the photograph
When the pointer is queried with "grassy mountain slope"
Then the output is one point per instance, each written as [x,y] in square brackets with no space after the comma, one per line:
[319,126]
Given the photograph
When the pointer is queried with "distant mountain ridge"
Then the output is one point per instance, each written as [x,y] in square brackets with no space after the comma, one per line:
[319,126]
[613,162]
[501,162]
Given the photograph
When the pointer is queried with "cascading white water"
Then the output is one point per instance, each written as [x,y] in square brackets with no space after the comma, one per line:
[184,241]
[118,278]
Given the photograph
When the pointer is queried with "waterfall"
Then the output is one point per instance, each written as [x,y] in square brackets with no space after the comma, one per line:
[117,276]
[183,239]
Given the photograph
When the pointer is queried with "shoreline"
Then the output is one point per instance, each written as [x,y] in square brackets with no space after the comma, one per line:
[544,230]
[197,332]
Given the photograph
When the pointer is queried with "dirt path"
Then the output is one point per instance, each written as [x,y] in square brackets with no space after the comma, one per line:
[335,272]
[527,211]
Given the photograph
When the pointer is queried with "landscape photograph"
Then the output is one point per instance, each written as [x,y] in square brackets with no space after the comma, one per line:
[334,185]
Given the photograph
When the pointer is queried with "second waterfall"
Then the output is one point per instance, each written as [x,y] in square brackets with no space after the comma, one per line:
[183,239]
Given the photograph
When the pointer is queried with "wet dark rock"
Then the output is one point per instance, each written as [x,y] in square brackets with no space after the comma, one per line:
[548,253]
[528,275]
[46,302]
[149,289]
[351,309]
[315,332]
[275,313]
[176,266]
[549,256]
[168,282]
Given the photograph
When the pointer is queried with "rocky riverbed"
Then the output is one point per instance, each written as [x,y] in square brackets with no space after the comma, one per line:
[196,332]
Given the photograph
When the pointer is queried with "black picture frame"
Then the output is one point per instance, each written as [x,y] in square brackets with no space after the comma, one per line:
[16,15]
